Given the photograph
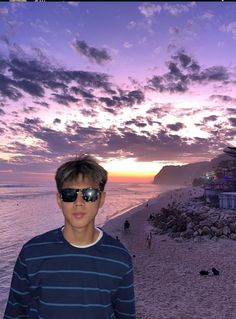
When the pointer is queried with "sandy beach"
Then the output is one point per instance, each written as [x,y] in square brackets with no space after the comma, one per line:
[167,280]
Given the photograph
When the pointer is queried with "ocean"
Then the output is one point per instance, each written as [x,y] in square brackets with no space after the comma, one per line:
[29,210]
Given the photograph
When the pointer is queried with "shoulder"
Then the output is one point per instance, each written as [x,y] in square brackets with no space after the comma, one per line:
[115,248]
[40,244]
[49,236]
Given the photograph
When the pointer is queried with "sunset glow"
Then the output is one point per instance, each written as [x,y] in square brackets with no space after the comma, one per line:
[137,85]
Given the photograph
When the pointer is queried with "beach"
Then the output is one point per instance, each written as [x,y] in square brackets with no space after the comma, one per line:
[36,204]
[166,276]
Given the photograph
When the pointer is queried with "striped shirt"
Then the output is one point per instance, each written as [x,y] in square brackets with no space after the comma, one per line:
[54,280]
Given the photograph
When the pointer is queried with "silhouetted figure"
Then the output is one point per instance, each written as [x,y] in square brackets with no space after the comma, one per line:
[149,240]
[126,225]
[204,272]
[117,238]
[215,271]
[151,217]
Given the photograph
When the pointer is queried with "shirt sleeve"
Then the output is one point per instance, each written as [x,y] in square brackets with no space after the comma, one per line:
[125,301]
[19,295]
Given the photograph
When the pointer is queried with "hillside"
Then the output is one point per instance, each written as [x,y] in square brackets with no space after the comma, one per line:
[184,174]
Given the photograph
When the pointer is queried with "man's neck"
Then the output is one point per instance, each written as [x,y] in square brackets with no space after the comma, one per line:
[80,237]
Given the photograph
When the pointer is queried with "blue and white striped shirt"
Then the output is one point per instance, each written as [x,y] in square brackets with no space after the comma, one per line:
[55,280]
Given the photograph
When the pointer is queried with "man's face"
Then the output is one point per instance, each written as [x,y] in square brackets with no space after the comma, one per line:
[80,214]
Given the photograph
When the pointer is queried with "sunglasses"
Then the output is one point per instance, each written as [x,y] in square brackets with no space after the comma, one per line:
[90,194]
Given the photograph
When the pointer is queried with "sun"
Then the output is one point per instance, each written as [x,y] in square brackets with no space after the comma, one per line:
[129,169]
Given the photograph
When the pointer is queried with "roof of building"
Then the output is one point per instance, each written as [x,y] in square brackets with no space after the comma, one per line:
[230,151]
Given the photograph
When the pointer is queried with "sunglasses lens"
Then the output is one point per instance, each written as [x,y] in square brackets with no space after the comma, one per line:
[68,195]
[88,194]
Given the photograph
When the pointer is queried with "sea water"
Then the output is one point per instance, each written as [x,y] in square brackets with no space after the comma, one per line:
[28,210]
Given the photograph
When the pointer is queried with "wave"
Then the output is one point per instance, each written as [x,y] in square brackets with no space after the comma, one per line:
[19,185]
[24,196]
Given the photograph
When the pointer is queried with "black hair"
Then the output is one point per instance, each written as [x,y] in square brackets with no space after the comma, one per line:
[84,165]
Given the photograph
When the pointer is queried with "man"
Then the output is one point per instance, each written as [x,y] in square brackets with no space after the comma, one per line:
[78,270]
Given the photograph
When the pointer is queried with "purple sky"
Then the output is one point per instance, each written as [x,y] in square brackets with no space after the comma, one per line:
[137,84]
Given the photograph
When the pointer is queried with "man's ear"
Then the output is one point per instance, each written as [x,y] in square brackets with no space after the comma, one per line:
[102,199]
[59,200]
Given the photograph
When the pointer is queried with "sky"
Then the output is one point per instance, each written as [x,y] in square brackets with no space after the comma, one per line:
[139,85]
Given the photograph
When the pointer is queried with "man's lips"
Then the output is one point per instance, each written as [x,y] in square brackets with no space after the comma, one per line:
[78,215]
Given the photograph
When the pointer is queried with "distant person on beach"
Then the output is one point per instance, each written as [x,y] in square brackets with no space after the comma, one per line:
[151,217]
[149,240]
[77,270]
[126,226]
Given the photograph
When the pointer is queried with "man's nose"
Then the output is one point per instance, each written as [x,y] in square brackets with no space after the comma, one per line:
[79,199]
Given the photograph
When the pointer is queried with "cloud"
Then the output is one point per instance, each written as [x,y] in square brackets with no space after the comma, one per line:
[207,16]
[127,45]
[131,25]
[29,110]
[174,30]
[125,98]
[56,121]
[20,74]
[171,47]
[149,9]
[41,25]
[160,110]
[233,121]
[32,121]
[94,92]
[93,80]
[53,145]
[230,28]
[82,92]
[176,127]
[26,164]
[231,135]
[93,54]
[138,122]
[7,90]
[45,104]
[159,146]
[212,118]
[183,71]
[74,140]
[177,9]
[222,98]
[73,4]
[30,87]
[64,99]
[215,73]
[231,110]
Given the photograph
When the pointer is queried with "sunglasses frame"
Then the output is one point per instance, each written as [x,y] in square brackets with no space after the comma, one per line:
[82,191]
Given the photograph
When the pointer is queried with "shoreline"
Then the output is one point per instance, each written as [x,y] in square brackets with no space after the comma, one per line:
[154,203]
[166,276]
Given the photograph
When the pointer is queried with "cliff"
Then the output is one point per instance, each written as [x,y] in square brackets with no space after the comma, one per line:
[180,175]
[185,174]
